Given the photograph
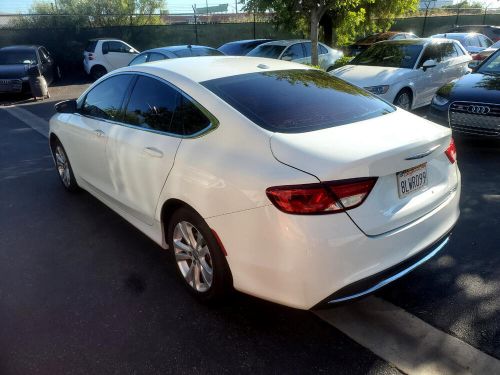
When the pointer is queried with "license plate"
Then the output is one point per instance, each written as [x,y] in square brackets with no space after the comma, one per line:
[412,180]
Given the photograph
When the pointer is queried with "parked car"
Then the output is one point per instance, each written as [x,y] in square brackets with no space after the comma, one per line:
[473,42]
[241,47]
[492,32]
[471,104]
[297,50]
[364,43]
[480,56]
[174,52]
[16,62]
[103,55]
[407,72]
[247,173]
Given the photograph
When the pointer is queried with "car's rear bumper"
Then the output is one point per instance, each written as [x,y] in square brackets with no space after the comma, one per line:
[300,261]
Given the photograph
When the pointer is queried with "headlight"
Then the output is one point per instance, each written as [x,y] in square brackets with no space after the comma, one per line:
[439,100]
[378,90]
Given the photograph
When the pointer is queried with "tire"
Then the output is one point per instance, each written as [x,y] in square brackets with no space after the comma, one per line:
[63,167]
[97,72]
[404,99]
[197,256]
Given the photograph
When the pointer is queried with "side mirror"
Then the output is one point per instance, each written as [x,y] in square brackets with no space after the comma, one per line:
[132,50]
[473,65]
[67,106]
[429,64]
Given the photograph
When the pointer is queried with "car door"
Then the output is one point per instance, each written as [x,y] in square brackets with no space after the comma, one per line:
[295,53]
[86,136]
[429,80]
[117,53]
[46,65]
[141,151]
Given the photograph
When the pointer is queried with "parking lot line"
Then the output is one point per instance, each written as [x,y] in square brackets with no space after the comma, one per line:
[35,122]
[410,344]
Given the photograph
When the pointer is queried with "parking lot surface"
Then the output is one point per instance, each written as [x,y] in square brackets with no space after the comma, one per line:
[85,292]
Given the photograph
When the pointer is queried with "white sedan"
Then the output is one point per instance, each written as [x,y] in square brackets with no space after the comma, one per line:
[407,72]
[266,176]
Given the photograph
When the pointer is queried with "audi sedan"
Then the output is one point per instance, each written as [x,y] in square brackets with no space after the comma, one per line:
[471,104]
[265,176]
[407,72]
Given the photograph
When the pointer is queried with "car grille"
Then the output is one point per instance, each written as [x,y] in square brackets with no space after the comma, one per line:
[7,85]
[475,118]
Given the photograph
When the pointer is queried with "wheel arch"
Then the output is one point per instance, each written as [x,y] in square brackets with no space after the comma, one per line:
[408,88]
[167,210]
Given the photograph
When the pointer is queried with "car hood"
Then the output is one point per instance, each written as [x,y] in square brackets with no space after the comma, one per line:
[475,87]
[364,76]
[13,71]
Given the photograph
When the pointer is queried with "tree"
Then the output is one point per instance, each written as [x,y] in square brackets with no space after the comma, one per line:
[346,17]
[92,13]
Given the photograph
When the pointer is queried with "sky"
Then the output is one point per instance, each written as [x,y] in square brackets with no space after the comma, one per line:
[174,6]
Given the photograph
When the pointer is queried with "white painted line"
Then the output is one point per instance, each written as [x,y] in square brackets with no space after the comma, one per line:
[410,344]
[33,121]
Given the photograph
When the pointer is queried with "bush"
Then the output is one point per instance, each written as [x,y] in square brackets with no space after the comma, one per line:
[344,60]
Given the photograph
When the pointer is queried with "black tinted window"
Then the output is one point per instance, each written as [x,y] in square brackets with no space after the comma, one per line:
[183,52]
[105,99]
[151,105]
[294,101]
[267,50]
[448,51]
[206,52]
[322,49]
[294,52]
[188,119]
[115,46]
[13,57]
[308,48]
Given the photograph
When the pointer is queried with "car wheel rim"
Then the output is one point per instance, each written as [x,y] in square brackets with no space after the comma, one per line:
[62,166]
[404,101]
[193,256]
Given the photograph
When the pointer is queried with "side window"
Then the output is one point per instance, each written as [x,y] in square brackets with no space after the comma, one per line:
[322,49]
[431,52]
[188,119]
[485,42]
[115,46]
[151,105]
[44,58]
[105,100]
[153,56]
[142,58]
[294,52]
[473,41]
[307,47]
[458,50]
[448,51]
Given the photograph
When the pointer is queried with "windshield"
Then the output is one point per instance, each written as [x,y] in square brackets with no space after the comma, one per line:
[296,101]
[496,45]
[17,57]
[492,65]
[271,51]
[394,55]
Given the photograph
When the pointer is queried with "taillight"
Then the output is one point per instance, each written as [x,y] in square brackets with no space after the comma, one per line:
[321,198]
[477,57]
[451,152]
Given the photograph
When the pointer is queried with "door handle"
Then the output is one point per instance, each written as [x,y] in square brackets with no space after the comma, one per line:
[154,152]
[99,132]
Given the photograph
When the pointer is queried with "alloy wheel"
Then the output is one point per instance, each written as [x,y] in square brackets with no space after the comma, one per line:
[404,101]
[193,256]
[62,166]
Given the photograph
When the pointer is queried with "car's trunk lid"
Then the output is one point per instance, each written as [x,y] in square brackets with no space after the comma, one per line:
[378,147]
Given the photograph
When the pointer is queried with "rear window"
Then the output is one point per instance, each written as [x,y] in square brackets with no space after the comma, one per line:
[296,101]
[90,47]
[206,52]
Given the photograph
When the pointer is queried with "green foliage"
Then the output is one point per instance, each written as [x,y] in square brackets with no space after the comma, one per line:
[465,5]
[92,13]
[344,60]
[350,18]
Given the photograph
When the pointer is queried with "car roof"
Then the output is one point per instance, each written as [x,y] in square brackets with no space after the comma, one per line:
[177,48]
[455,35]
[20,47]
[205,68]
[285,42]
[96,39]
[247,41]
[414,41]
[478,26]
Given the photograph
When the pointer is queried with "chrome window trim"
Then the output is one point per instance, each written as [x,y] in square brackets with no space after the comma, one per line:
[214,122]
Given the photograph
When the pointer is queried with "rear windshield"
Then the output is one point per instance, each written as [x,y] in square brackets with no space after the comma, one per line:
[394,55]
[296,101]
[267,50]
[90,47]
[206,52]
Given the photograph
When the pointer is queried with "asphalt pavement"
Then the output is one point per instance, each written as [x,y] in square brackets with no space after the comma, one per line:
[84,292]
